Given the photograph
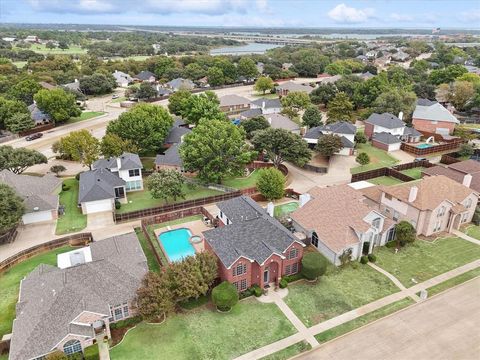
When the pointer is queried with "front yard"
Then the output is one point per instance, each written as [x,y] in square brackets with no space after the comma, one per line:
[86,115]
[338,291]
[378,158]
[423,260]
[72,220]
[204,333]
[473,231]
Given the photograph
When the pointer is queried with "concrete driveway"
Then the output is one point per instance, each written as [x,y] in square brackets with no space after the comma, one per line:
[402,156]
[444,327]
[99,220]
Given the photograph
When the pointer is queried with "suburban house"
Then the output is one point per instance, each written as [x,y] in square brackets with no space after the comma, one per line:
[145,76]
[432,117]
[73,86]
[400,56]
[267,106]
[180,84]
[127,167]
[234,104]
[38,115]
[366,75]
[464,172]
[176,134]
[252,247]
[345,130]
[432,205]
[170,159]
[122,78]
[40,195]
[70,308]
[279,121]
[290,86]
[337,221]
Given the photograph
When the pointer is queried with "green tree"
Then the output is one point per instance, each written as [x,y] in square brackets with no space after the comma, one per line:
[113,145]
[203,106]
[264,84]
[460,94]
[363,158]
[294,102]
[98,84]
[178,102]
[216,149]
[271,183]
[215,76]
[8,108]
[282,145]
[19,122]
[360,138]
[323,94]
[50,45]
[162,65]
[404,233]
[186,279]
[57,169]
[208,266]
[146,126]
[25,90]
[17,160]
[247,68]
[57,354]
[145,91]
[57,103]
[11,208]
[314,265]
[224,296]
[329,144]
[194,71]
[394,100]
[254,124]
[154,297]
[466,150]
[340,109]
[470,77]
[63,45]
[312,117]
[79,146]
[166,184]
[446,75]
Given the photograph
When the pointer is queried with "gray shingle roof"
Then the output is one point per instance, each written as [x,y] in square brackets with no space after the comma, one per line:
[347,143]
[269,103]
[128,161]
[176,133]
[50,297]
[233,99]
[411,131]
[433,112]
[426,102]
[257,236]
[37,115]
[278,121]
[98,184]
[144,75]
[41,202]
[170,157]
[340,127]
[385,120]
[386,138]
[251,113]
[180,83]
[292,86]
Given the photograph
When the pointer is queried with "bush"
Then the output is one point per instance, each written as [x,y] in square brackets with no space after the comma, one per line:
[271,183]
[224,296]
[118,204]
[364,260]
[354,265]
[360,138]
[372,258]
[362,158]
[77,177]
[283,283]
[391,244]
[56,355]
[91,353]
[75,356]
[257,290]
[129,322]
[313,265]
[294,277]
[65,187]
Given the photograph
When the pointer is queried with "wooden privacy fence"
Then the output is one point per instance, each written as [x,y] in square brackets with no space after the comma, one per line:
[448,159]
[393,172]
[412,149]
[73,240]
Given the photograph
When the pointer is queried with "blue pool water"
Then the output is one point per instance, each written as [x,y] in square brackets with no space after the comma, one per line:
[424,146]
[176,244]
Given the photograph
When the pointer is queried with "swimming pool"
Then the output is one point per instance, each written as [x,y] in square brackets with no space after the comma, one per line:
[176,244]
[424,146]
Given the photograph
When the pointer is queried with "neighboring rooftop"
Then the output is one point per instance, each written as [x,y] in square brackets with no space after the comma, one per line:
[98,184]
[292,86]
[341,127]
[385,120]
[176,133]
[170,157]
[251,113]
[180,83]
[27,185]
[432,111]
[128,161]
[37,115]
[386,138]
[457,172]
[233,100]
[279,121]
[267,103]
[145,75]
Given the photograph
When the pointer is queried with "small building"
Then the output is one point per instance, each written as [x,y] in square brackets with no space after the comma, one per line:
[279,121]
[32,39]
[400,56]
[145,76]
[290,86]
[366,75]
[234,104]
[386,141]
[170,159]
[464,172]
[432,117]
[176,134]
[122,79]
[267,106]
[180,84]
[38,116]
[73,86]
[346,131]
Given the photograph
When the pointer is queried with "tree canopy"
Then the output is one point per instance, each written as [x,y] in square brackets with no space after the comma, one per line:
[25,90]
[79,146]
[254,124]
[177,102]
[294,102]
[329,144]
[271,183]
[340,108]
[166,184]
[17,160]
[312,117]
[57,103]
[98,84]
[114,145]
[11,208]
[264,84]
[9,108]
[203,106]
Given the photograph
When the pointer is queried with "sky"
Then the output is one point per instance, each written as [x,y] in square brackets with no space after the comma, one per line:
[248,13]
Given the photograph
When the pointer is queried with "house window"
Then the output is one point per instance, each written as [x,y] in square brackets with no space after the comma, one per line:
[376,223]
[294,268]
[464,218]
[438,225]
[125,311]
[240,269]
[118,314]
[292,254]
[134,172]
[469,204]
[288,270]
[134,185]
[241,285]
[441,211]
[315,239]
[395,215]
[72,347]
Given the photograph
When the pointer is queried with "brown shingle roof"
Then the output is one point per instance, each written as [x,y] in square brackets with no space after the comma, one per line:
[466,167]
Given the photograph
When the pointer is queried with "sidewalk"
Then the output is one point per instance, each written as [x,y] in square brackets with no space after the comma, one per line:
[466,237]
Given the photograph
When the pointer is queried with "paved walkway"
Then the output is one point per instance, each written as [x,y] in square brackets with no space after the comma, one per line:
[466,237]
[393,279]
[103,351]
[353,314]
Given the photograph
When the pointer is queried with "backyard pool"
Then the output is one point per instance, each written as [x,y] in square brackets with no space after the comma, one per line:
[285,209]
[176,244]
[424,146]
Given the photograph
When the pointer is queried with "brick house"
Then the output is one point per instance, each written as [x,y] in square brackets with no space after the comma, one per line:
[234,104]
[432,117]
[346,131]
[251,246]
[464,172]
[290,86]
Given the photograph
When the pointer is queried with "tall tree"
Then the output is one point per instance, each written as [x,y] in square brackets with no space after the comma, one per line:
[11,208]
[329,144]
[246,67]
[25,90]
[323,94]
[98,84]
[114,145]
[394,100]
[203,106]
[312,117]
[215,149]
[460,94]
[177,102]
[79,146]
[282,145]
[145,91]
[57,103]
[8,108]
[263,84]
[19,122]
[17,160]
[154,297]
[145,125]
[271,183]
[340,109]
[294,102]
[215,76]
[166,184]
[254,124]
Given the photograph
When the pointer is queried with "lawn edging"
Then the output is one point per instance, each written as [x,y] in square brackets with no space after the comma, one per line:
[123,338]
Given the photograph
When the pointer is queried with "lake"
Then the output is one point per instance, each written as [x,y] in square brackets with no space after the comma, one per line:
[250,48]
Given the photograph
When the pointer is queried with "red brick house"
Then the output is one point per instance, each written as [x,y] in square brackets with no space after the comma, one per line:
[432,117]
[252,247]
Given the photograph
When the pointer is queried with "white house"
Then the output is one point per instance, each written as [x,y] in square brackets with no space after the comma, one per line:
[268,106]
[345,130]
[122,78]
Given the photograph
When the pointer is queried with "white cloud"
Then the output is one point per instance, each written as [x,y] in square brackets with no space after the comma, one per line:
[472,15]
[402,17]
[349,15]
[78,6]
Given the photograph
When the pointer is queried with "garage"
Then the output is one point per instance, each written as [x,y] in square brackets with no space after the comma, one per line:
[35,217]
[386,141]
[97,206]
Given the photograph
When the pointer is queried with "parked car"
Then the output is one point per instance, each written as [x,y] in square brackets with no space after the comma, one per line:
[115,96]
[419,159]
[34,136]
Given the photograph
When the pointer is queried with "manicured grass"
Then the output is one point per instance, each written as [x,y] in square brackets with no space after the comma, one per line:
[266,96]
[120,99]
[378,158]
[423,260]
[457,280]
[473,231]
[285,209]
[72,220]
[138,200]
[415,173]
[385,180]
[20,65]
[42,49]
[242,182]
[148,162]
[10,284]
[204,333]
[152,262]
[363,320]
[289,352]
[86,115]
[338,291]
[4,357]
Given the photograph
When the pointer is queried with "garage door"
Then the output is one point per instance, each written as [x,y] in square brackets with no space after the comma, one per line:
[98,206]
[394,147]
[35,217]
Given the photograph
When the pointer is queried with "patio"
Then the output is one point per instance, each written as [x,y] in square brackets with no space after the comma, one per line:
[196,227]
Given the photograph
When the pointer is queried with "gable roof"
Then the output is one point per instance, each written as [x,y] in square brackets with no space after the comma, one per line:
[98,184]
[292,86]
[128,161]
[176,133]
[341,127]
[267,103]
[26,185]
[170,157]
[232,100]
[385,120]
[120,75]
[37,114]
[457,172]
[386,138]
[278,121]
[250,113]
[51,298]
[433,112]
[410,131]
[253,234]
[145,75]
[181,83]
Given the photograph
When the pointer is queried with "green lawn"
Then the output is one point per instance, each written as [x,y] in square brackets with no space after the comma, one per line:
[148,163]
[119,99]
[242,182]
[460,279]
[337,292]
[385,180]
[42,49]
[20,65]
[10,284]
[415,173]
[86,115]
[266,96]
[423,260]
[285,209]
[72,220]
[204,333]
[289,352]
[152,262]
[363,320]
[138,200]
[473,231]
[378,158]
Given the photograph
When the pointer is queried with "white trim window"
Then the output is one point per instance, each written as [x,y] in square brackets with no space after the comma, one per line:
[438,225]
[241,285]
[240,269]
[376,223]
[292,254]
[441,211]
[72,347]
[119,312]
[134,172]
[134,185]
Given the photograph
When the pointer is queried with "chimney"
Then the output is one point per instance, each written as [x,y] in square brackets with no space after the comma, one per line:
[467,180]
[263,104]
[76,80]
[413,194]
[269,119]
[304,198]
[400,115]
[119,162]
[270,208]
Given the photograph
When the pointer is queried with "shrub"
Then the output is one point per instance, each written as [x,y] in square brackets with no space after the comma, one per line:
[65,187]
[294,277]
[118,204]
[129,322]
[283,284]
[354,265]
[257,290]
[56,355]
[362,158]
[372,258]
[77,177]
[224,296]
[360,138]
[246,293]
[313,265]
[91,353]
[391,244]
[364,260]
[271,183]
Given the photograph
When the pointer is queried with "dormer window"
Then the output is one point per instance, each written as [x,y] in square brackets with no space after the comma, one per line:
[376,223]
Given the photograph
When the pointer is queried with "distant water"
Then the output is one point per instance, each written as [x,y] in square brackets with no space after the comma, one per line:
[250,48]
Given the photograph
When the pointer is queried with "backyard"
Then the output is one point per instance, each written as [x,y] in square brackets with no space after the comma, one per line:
[86,115]
[242,182]
[385,180]
[423,260]
[72,220]
[415,173]
[10,284]
[285,209]
[338,291]
[152,262]
[207,333]
[378,158]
